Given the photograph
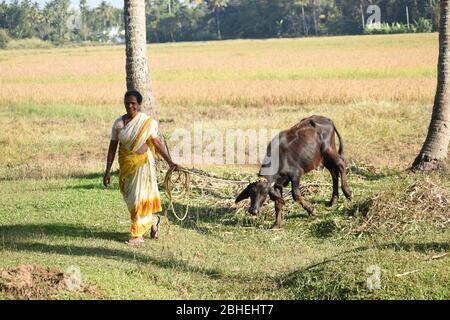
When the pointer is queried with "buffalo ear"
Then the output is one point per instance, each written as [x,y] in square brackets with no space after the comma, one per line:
[243,195]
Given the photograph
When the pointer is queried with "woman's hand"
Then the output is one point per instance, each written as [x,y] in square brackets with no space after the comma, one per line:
[173,165]
[109,162]
[110,159]
[107,179]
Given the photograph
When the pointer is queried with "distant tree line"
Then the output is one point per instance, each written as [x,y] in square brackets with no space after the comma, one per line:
[25,19]
[173,20]
[189,20]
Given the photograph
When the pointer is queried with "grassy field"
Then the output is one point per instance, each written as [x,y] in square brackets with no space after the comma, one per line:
[56,110]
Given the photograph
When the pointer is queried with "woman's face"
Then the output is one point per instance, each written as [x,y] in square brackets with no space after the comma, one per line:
[132,106]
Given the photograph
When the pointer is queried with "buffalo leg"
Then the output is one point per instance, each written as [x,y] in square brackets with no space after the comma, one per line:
[335,176]
[339,164]
[278,212]
[278,207]
[345,188]
[296,193]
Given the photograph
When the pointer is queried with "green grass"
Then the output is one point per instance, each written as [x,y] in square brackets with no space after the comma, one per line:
[218,252]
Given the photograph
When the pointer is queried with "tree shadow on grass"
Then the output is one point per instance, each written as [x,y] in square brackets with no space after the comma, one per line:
[308,283]
[197,215]
[98,184]
[225,215]
[88,186]
[95,175]
[130,255]
[32,231]
[406,246]
[17,238]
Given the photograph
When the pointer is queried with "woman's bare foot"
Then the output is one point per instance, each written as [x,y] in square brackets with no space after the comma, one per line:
[135,241]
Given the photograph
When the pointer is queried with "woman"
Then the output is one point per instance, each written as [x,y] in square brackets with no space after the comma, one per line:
[137,137]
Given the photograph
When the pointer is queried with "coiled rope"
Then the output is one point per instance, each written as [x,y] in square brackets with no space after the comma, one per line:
[183,176]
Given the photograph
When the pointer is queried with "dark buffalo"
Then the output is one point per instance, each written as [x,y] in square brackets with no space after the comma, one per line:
[302,148]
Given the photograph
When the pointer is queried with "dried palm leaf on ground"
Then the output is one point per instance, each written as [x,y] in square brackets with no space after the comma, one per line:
[399,210]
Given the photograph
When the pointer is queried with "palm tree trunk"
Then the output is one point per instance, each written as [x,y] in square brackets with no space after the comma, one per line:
[435,149]
[314,17]
[137,69]
[305,27]
[219,32]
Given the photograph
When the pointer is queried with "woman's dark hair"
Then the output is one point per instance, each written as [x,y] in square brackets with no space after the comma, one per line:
[134,93]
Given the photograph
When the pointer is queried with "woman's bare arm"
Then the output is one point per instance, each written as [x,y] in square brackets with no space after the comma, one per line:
[161,149]
[109,162]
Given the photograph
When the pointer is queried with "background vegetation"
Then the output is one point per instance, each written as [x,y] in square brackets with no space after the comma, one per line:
[187,20]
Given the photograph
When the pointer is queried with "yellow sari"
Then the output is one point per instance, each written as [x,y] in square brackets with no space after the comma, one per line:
[137,179]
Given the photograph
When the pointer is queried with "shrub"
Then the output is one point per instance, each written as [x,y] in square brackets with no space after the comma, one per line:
[385,28]
[4,39]
[421,25]
[30,43]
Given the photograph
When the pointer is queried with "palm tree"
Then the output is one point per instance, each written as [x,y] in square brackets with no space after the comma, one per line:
[314,6]
[302,4]
[435,149]
[137,69]
[217,6]
[105,14]
[84,10]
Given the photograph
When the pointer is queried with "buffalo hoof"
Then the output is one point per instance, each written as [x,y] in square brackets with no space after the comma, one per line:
[311,212]
[332,202]
[348,194]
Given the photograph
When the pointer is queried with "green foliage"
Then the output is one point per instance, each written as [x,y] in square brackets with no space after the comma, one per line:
[31,43]
[4,39]
[386,28]
[23,20]
[216,253]
[174,20]
[421,25]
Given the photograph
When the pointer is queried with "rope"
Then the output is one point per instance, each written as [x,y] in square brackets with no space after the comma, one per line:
[184,176]
[168,187]
[202,173]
